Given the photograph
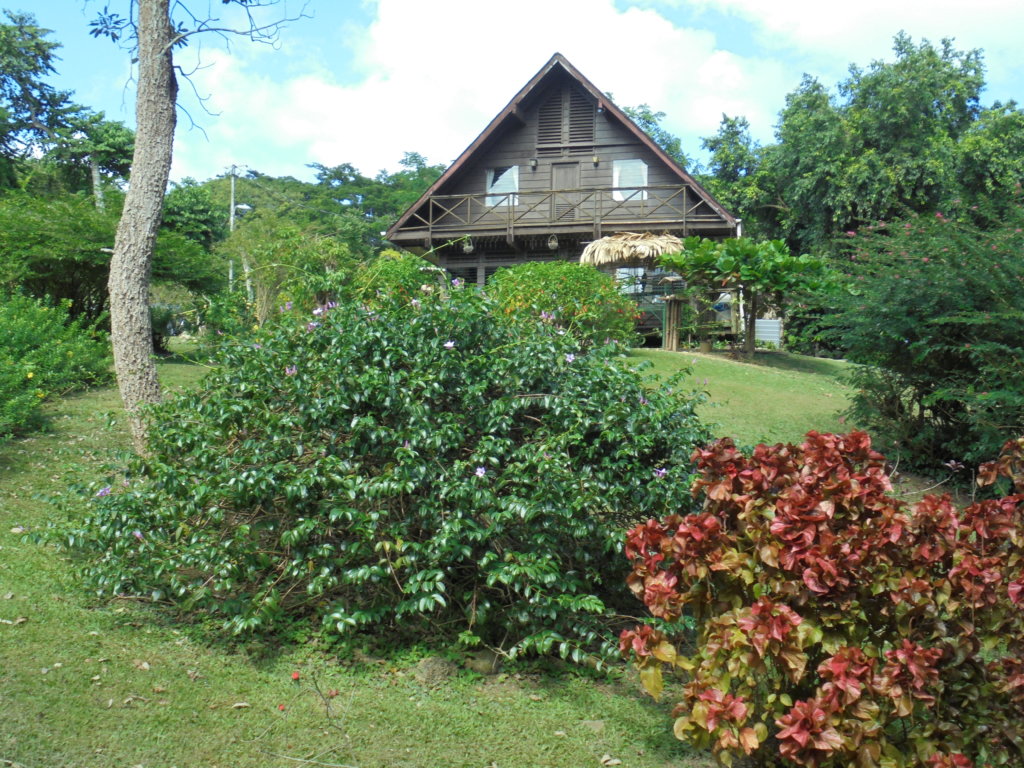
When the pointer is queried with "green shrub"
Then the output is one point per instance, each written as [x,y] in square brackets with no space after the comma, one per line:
[933,310]
[42,354]
[577,297]
[395,275]
[840,626]
[423,465]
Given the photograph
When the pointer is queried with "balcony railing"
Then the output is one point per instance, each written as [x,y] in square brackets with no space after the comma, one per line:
[670,205]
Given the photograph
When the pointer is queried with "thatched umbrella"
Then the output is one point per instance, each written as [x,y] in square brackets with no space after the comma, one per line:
[629,249]
[639,249]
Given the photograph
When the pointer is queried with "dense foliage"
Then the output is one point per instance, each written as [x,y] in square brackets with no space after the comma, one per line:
[910,134]
[42,354]
[838,625]
[378,468]
[395,276]
[60,247]
[933,309]
[584,301]
[766,271]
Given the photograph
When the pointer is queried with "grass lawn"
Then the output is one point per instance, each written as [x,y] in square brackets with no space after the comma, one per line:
[777,398]
[119,684]
[97,685]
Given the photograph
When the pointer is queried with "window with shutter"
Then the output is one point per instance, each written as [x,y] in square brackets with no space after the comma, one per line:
[502,185]
[629,179]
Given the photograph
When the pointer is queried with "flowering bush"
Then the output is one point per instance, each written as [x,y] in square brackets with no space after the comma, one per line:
[576,297]
[43,353]
[420,464]
[395,275]
[840,626]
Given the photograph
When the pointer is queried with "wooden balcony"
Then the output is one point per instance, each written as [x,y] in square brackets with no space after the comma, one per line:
[589,211]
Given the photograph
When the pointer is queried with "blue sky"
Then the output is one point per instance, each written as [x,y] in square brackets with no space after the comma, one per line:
[364,81]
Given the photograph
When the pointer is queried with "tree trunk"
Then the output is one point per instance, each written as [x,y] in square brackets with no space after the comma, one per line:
[130,327]
[97,184]
[751,334]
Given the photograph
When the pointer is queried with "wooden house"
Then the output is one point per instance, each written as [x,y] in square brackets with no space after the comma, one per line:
[559,167]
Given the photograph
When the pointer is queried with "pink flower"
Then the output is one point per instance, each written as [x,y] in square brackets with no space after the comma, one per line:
[449,344]
[291,370]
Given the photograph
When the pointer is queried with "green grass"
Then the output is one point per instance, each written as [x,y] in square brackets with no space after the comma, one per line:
[118,684]
[778,398]
[121,684]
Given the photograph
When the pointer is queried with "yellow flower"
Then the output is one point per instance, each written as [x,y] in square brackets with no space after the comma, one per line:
[29,375]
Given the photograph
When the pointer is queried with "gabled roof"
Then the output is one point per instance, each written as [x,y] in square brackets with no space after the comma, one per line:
[512,111]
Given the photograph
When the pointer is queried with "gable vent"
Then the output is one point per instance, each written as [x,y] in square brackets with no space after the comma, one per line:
[549,121]
[581,118]
[566,122]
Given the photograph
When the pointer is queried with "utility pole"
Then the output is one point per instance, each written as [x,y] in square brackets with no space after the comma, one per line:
[245,259]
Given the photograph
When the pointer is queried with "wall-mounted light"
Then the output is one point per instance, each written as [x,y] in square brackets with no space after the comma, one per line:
[533,162]
[596,160]
[553,243]
[467,245]
[600,108]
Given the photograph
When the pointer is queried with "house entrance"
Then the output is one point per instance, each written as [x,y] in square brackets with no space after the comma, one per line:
[565,184]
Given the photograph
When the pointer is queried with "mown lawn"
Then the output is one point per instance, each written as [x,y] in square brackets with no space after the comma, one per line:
[120,684]
[777,398]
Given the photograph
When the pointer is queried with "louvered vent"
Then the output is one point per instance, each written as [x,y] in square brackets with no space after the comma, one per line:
[549,121]
[581,118]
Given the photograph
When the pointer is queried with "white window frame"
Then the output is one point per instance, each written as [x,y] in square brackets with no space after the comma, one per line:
[504,189]
[629,179]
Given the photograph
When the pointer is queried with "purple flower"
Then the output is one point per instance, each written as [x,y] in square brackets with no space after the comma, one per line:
[660,472]
[644,400]
[318,311]
[456,282]
[331,305]
[138,535]
[257,346]
[570,357]
[291,370]
[310,326]
[449,344]
[287,305]
[104,491]
[480,471]
[416,303]
[547,316]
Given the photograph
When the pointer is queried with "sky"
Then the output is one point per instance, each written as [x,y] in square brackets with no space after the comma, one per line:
[365,81]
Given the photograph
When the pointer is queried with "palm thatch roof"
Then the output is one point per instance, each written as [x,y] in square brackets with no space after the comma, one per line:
[629,249]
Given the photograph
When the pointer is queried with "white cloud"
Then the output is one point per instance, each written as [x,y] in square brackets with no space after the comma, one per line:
[833,35]
[431,76]
[427,77]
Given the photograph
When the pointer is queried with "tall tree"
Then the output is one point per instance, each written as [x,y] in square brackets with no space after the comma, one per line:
[732,169]
[91,152]
[31,110]
[649,122]
[885,144]
[153,35]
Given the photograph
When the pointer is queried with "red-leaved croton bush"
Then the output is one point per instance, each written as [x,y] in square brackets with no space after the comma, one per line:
[836,624]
